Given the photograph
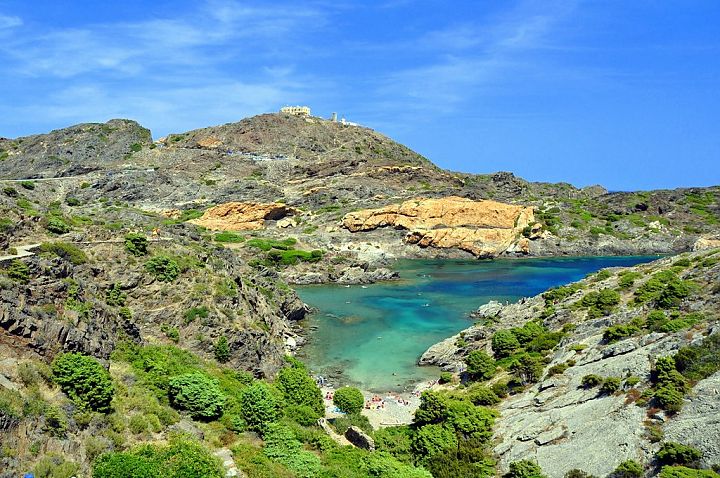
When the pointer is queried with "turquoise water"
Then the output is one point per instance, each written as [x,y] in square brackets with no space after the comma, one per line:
[373,335]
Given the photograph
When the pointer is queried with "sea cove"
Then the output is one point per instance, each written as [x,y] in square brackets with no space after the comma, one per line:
[373,335]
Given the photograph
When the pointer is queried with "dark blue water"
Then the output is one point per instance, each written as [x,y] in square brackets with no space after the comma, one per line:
[375,334]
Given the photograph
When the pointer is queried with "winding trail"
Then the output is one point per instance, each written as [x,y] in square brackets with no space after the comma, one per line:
[22,251]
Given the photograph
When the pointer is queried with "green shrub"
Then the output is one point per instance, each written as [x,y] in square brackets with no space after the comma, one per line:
[524,469]
[557,294]
[114,296]
[57,225]
[229,237]
[628,469]
[11,192]
[618,332]
[600,303]
[576,473]
[432,439]
[469,421]
[669,398]
[222,350]
[282,446]
[19,271]
[480,365]
[672,453]
[55,467]
[685,472]
[527,368]
[84,380]
[433,408]
[342,423]
[194,313]
[610,385]
[665,289]
[682,262]
[504,343]
[268,244]
[55,422]
[64,250]
[298,387]
[482,395]
[445,377]
[71,201]
[136,244]
[349,400]
[180,459]
[395,440]
[135,147]
[627,278]
[27,185]
[163,268]
[591,380]
[260,406]
[198,394]
[697,362]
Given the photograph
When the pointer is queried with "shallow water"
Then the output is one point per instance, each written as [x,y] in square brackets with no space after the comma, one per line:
[375,334]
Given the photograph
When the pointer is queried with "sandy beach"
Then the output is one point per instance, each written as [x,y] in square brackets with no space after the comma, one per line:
[385,409]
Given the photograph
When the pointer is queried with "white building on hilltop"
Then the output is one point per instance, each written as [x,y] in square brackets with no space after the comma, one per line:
[296,110]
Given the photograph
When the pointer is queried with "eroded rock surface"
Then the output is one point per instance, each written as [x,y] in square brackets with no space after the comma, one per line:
[242,216]
[483,228]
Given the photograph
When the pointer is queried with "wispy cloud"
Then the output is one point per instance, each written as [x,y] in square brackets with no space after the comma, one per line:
[9,21]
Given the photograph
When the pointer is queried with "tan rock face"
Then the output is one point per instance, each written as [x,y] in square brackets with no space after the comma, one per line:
[483,228]
[705,243]
[242,216]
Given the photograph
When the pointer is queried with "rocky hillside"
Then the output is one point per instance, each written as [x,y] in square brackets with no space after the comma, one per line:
[589,387]
[324,171]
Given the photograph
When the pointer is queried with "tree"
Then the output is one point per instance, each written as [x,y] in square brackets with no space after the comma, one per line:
[349,400]
[504,343]
[528,368]
[222,350]
[299,388]
[260,406]
[470,421]
[480,365]
[84,380]
[433,408]
[197,393]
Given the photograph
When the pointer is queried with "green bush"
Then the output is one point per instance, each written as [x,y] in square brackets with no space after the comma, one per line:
[527,368]
[628,278]
[27,185]
[469,421]
[19,271]
[64,250]
[198,394]
[610,385]
[342,423]
[180,459]
[600,303]
[222,350]
[72,201]
[672,453]
[665,289]
[282,446]
[433,408]
[57,225]
[591,380]
[84,380]
[163,268]
[194,313]
[11,192]
[349,400]
[298,387]
[615,333]
[230,237]
[504,343]
[268,244]
[697,362]
[480,365]
[432,439]
[260,406]
[114,296]
[557,294]
[524,469]
[395,440]
[685,472]
[482,395]
[55,467]
[136,244]
[628,469]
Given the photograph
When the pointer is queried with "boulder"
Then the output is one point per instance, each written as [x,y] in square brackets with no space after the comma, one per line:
[359,438]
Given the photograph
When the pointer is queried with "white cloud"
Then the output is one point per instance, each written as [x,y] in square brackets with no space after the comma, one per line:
[9,21]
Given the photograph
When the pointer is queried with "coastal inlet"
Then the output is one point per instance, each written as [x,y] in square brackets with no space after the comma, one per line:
[372,336]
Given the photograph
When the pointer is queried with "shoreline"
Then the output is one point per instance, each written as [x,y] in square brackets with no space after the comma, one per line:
[394,409]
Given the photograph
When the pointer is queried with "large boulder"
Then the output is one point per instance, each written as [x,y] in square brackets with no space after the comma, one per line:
[242,216]
[359,438]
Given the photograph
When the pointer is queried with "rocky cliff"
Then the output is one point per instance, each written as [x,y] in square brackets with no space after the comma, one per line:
[564,424]
[483,228]
[242,216]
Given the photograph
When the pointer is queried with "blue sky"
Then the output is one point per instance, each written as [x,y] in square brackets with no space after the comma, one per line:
[621,93]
